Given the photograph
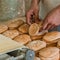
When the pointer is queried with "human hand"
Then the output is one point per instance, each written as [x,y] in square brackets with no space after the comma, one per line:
[34,11]
[52,19]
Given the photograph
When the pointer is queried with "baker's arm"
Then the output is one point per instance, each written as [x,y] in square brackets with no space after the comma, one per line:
[35,1]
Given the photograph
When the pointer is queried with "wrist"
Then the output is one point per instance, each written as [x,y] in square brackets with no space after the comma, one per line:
[35,3]
[58,8]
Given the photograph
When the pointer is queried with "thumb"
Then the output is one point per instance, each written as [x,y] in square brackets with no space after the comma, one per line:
[45,24]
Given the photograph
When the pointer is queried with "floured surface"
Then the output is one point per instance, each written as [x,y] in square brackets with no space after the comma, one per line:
[7,45]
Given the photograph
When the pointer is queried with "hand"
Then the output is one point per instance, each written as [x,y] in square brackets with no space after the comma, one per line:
[52,19]
[32,12]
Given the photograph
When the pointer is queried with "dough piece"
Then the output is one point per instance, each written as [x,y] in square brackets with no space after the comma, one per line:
[24,28]
[43,32]
[37,37]
[15,23]
[36,45]
[59,54]
[56,57]
[34,29]
[20,33]
[52,37]
[52,45]
[49,52]
[3,28]
[11,33]
[58,44]
[40,24]
[23,39]
[37,58]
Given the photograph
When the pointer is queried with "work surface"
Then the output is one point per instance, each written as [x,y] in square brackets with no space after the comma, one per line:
[7,45]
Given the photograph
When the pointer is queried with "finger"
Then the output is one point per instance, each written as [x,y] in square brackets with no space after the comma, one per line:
[49,27]
[55,27]
[36,12]
[45,24]
[28,19]
[52,27]
[41,29]
[36,16]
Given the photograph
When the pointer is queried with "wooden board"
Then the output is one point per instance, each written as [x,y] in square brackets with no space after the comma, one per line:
[7,45]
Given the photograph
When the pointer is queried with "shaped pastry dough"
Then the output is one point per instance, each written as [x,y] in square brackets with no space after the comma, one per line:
[36,45]
[15,23]
[3,28]
[11,33]
[34,29]
[49,53]
[23,39]
[24,28]
[52,37]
